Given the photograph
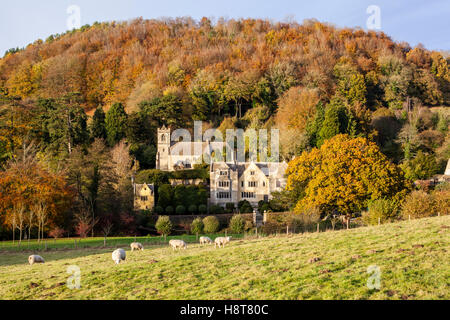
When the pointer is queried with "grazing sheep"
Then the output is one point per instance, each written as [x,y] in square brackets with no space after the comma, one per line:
[119,255]
[221,241]
[204,240]
[35,259]
[136,246]
[177,244]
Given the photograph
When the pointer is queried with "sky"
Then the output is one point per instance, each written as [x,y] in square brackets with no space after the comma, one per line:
[414,21]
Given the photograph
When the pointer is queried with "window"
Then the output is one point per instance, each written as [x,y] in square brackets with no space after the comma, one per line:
[223,173]
[144,198]
[249,195]
[252,173]
[242,184]
[264,183]
[252,184]
[223,195]
[224,184]
[278,184]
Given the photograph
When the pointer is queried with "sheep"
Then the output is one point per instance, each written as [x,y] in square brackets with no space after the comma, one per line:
[35,259]
[221,241]
[177,244]
[136,246]
[119,255]
[204,240]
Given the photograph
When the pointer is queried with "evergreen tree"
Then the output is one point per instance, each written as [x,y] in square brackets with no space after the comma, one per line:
[115,123]
[98,129]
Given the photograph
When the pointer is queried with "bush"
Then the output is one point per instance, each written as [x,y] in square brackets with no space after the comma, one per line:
[180,209]
[169,210]
[159,210]
[202,209]
[210,224]
[271,227]
[418,204]
[215,209]
[442,201]
[248,225]
[192,209]
[237,224]
[197,226]
[229,207]
[383,209]
[164,225]
[245,207]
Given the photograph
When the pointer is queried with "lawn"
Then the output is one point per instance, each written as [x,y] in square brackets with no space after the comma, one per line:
[412,257]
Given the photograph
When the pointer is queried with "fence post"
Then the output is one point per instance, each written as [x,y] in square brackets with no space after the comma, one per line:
[196,236]
[379,220]
[409,217]
[287,230]
[104,242]
[318,230]
[74,243]
[256,230]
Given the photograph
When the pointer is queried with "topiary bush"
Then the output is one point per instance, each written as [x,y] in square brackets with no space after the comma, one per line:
[210,224]
[215,209]
[237,224]
[384,210]
[192,209]
[169,210]
[418,204]
[159,210]
[164,225]
[197,226]
[202,209]
[180,209]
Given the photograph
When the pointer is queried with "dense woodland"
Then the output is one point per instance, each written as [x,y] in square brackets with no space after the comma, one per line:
[79,110]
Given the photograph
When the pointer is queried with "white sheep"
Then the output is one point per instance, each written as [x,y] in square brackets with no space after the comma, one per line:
[35,259]
[204,240]
[119,255]
[221,241]
[177,244]
[136,246]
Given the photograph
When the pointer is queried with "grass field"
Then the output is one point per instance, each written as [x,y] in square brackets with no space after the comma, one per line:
[412,256]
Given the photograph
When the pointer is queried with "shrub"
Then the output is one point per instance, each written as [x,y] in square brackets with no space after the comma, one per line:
[210,224]
[159,210]
[442,201]
[197,226]
[169,210]
[248,225]
[56,232]
[237,224]
[192,209]
[229,207]
[215,209]
[271,227]
[180,209]
[418,204]
[245,207]
[202,209]
[383,209]
[164,225]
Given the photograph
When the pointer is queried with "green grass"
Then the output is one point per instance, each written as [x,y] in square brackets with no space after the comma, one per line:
[96,242]
[412,255]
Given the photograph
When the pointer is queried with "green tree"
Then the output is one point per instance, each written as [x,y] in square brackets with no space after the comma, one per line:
[98,129]
[164,225]
[115,123]
[165,195]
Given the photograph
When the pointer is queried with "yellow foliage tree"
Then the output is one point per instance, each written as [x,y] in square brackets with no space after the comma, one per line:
[343,176]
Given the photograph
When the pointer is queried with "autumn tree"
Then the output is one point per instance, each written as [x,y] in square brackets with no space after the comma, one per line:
[343,175]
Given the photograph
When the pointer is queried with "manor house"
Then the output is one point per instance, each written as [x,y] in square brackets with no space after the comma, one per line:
[230,182]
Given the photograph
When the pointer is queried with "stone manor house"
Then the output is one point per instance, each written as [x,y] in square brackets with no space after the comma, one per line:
[230,182]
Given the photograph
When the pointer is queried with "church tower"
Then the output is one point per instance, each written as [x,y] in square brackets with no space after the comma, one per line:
[162,156]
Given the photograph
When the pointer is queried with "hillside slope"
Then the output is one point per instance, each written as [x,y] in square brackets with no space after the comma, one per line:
[412,256]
